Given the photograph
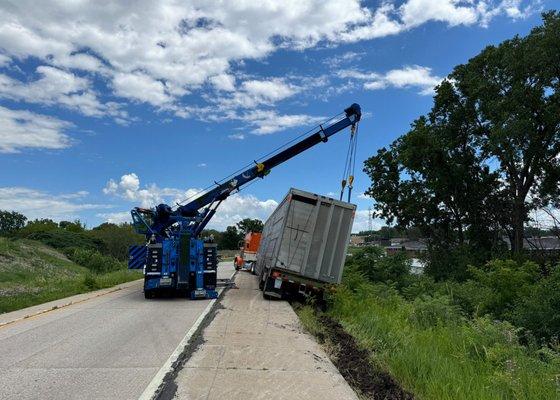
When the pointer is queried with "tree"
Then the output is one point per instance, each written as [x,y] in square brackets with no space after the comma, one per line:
[470,169]
[250,225]
[230,239]
[116,239]
[76,226]
[11,221]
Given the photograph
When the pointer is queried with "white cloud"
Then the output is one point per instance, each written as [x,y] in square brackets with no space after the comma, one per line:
[223,82]
[390,20]
[155,52]
[364,196]
[119,217]
[56,86]
[236,136]
[237,207]
[410,76]
[21,129]
[140,87]
[231,211]
[269,121]
[38,204]
[202,165]
[4,60]
[361,222]
[253,93]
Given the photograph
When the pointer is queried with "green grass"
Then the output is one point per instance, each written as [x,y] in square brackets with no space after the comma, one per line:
[439,357]
[32,273]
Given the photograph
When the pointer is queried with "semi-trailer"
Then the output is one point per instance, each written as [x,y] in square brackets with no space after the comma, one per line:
[303,245]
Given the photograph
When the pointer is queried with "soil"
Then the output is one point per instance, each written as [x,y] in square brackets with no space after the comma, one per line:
[355,366]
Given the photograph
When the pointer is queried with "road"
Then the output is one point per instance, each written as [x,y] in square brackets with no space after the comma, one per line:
[109,347]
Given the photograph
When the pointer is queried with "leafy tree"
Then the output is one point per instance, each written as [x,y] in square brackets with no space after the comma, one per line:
[116,239]
[372,263]
[464,172]
[230,239]
[11,221]
[39,225]
[76,226]
[250,225]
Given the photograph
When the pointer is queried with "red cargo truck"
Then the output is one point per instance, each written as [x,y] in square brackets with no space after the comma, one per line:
[248,251]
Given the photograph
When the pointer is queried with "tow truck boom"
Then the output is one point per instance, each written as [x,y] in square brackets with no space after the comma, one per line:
[165,227]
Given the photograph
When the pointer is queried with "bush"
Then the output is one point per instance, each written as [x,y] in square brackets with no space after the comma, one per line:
[508,280]
[90,282]
[61,239]
[470,296]
[94,261]
[430,311]
[372,263]
[115,239]
[539,311]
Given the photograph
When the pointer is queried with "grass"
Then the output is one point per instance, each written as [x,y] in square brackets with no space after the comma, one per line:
[32,273]
[438,357]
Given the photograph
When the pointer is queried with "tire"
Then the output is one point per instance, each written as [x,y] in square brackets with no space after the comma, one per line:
[261,281]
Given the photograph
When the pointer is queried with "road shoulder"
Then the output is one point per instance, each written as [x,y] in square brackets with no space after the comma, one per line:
[256,349]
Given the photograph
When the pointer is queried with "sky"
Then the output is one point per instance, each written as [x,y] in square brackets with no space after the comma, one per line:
[105,106]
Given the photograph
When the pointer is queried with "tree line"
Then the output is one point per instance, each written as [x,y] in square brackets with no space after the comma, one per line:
[110,239]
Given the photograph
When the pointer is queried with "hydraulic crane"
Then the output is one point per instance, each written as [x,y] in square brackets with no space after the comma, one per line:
[174,257]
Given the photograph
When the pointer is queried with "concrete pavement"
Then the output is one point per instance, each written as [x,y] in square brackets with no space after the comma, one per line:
[256,349]
[106,347]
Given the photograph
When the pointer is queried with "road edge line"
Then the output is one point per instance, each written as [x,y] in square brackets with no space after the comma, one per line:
[156,383]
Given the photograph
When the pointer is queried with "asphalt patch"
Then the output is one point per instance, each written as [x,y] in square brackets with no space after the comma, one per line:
[355,366]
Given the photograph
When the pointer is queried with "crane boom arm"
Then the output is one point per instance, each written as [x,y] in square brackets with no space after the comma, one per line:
[221,192]
[163,216]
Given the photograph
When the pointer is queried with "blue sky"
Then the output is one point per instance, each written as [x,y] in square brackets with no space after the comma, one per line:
[107,108]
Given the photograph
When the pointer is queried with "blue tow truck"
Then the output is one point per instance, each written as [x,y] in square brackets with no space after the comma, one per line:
[175,258]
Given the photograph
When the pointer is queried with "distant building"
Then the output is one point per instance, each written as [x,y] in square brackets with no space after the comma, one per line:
[548,244]
[413,248]
[356,240]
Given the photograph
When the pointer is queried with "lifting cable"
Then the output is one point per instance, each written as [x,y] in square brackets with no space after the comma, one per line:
[350,164]
[278,149]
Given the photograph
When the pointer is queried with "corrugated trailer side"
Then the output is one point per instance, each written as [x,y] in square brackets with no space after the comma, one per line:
[304,243]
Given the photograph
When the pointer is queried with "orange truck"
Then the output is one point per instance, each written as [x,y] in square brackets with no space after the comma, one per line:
[248,251]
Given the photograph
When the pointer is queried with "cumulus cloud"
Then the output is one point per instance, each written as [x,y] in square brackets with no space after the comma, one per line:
[39,204]
[56,86]
[119,217]
[155,52]
[231,211]
[21,129]
[408,77]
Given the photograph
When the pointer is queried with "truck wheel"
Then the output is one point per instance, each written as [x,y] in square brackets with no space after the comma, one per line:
[261,280]
[149,294]
[265,286]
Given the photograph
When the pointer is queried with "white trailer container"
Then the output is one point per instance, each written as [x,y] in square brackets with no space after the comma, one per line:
[304,244]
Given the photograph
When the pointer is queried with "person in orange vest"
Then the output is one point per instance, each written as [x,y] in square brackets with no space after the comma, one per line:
[238,262]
